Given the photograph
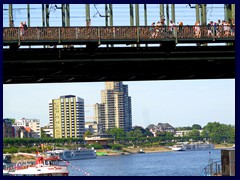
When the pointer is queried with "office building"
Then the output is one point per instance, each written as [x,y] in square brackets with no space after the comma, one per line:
[66,117]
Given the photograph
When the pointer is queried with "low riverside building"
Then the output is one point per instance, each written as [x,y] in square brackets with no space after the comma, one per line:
[183,133]
[102,139]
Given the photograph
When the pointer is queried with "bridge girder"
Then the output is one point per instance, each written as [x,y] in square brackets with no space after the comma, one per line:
[117,64]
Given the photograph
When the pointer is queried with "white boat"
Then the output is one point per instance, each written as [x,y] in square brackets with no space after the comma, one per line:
[78,154]
[44,167]
[178,147]
[5,169]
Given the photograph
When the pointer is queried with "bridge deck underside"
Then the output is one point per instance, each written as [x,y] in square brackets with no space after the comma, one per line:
[114,64]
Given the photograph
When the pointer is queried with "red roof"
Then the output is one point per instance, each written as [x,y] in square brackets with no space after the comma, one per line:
[28,129]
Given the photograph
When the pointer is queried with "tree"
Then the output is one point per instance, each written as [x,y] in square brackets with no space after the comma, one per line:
[43,134]
[219,133]
[116,132]
[135,133]
[194,134]
[196,126]
[147,133]
[87,133]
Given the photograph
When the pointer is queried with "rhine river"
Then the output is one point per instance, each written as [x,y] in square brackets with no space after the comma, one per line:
[180,163]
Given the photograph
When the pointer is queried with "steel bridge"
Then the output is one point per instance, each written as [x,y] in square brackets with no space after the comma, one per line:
[146,53]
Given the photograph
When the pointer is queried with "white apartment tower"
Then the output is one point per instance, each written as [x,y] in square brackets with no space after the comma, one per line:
[66,117]
[115,108]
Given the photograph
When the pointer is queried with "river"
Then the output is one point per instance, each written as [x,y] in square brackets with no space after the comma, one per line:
[180,163]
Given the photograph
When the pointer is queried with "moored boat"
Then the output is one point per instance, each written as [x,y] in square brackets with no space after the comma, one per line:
[78,154]
[48,166]
[178,147]
[141,151]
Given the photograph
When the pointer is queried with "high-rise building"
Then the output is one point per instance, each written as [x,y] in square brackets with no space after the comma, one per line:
[115,108]
[66,117]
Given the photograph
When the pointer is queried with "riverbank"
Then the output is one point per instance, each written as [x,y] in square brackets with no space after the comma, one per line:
[124,151]
[109,152]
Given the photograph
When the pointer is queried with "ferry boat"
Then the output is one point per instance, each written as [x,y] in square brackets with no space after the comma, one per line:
[78,154]
[199,146]
[48,166]
[192,146]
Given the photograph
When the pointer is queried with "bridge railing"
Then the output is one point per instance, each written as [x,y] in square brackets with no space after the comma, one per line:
[126,33]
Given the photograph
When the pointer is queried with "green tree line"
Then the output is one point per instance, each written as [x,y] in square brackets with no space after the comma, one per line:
[213,132]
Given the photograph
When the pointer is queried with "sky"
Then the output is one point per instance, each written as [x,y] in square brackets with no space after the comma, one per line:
[179,103]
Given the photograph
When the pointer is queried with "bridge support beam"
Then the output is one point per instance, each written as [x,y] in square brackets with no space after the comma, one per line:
[106,15]
[28,14]
[43,19]
[203,15]
[228,12]
[88,20]
[162,12]
[173,13]
[233,11]
[137,17]
[11,22]
[167,14]
[111,14]
[63,16]
[131,17]
[47,15]
[67,15]
[111,17]
[197,12]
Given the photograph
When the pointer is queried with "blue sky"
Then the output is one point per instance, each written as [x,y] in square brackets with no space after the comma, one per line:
[180,103]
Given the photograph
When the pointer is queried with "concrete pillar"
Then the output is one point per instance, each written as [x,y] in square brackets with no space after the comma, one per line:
[228,162]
